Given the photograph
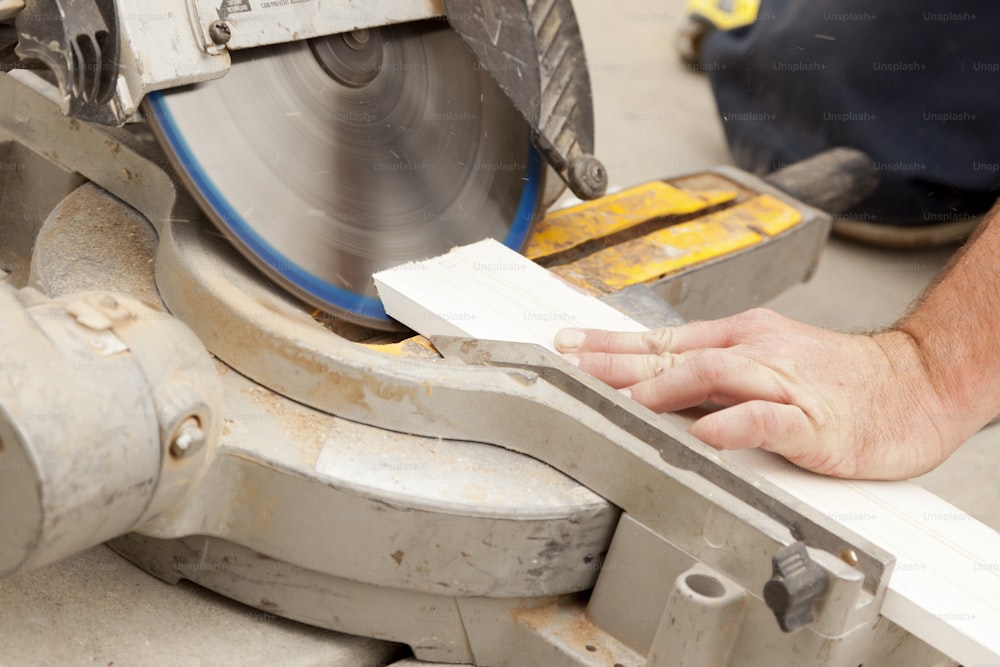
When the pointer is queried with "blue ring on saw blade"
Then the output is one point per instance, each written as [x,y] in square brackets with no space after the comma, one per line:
[363,305]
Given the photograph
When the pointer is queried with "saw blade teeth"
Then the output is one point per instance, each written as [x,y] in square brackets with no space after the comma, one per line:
[322,179]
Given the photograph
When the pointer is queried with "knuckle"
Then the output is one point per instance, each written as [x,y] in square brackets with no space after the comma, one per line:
[652,365]
[658,340]
[762,314]
[710,367]
[596,363]
[605,363]
[757,319]
[752,324]
[674,360]
[762,418]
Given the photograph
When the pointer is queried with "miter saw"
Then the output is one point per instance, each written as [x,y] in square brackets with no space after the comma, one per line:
[341,137]
[258,428]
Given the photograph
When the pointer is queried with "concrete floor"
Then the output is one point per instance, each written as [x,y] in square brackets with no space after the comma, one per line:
[655,119]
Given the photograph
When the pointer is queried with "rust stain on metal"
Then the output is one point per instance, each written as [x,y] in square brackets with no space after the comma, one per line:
[568,621]
[270,605]
[537,618]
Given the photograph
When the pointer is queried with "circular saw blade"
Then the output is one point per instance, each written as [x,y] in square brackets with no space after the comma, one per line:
[327,161]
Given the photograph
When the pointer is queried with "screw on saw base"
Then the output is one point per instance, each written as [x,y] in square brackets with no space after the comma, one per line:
[220,32]
[189,439]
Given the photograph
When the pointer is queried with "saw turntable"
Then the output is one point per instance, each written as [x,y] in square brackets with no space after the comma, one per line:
[195,367]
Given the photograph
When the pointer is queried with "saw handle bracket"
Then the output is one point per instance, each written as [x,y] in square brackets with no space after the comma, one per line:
[534,51]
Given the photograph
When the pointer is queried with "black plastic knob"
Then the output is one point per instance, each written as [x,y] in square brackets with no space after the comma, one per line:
[796,582]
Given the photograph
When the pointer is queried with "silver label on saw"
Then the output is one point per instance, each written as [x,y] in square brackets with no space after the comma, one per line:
[233,7]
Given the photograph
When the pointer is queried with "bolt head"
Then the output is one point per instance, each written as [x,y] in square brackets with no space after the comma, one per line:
[188,441]
[587,177]
[357,39]
[220,32]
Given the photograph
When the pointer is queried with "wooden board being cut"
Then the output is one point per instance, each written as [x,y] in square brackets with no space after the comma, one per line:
[488,291]
[945,587]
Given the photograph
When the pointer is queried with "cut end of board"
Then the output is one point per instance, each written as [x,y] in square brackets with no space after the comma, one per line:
[487,291]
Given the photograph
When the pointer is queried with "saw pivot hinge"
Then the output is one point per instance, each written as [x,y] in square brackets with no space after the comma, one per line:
[796,582]
[534,51]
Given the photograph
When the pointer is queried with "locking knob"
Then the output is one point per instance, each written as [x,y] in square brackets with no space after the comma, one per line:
[795,583]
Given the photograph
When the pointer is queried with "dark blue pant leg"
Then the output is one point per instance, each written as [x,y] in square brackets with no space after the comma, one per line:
[915,86]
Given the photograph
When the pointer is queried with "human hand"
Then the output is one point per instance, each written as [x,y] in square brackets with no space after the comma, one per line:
[858,406]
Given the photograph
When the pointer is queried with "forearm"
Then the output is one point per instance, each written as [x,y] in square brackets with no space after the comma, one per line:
[956,328]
